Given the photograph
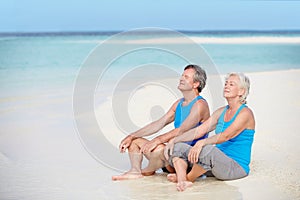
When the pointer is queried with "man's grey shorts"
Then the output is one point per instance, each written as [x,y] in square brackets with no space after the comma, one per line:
[211,159]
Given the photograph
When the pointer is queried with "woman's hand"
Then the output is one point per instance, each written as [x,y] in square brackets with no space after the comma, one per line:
[169,149]
[195,151]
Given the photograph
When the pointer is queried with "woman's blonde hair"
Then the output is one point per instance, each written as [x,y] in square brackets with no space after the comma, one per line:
[244,84]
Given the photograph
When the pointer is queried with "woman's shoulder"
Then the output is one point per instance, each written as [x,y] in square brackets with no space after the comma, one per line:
[247,111]
[248,116]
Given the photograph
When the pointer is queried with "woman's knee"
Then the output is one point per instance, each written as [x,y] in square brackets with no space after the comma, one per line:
[206,151]
[180,150]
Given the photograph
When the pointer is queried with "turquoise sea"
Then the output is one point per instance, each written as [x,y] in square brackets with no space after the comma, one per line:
[49,63]
[36,59]
[33,60]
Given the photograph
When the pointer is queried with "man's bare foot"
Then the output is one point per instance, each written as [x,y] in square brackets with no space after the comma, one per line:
[127,176]
[172,178]
[170,168]
[148,173]
[181,186]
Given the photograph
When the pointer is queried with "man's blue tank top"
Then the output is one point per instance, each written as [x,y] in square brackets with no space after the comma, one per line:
[182,112]
[239,147]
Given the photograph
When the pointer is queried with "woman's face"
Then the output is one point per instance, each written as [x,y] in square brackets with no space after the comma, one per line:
[232,87]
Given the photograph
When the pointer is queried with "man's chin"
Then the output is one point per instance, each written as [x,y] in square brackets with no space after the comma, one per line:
[180,88]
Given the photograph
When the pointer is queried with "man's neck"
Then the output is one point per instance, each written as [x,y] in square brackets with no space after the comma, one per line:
[190,95]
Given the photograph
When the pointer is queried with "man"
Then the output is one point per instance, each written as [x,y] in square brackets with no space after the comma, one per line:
[187,112]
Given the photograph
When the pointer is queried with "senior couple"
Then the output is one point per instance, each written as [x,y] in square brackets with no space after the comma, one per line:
[186,152]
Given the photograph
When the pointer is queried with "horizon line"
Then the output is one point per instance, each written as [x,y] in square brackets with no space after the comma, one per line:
[110,32]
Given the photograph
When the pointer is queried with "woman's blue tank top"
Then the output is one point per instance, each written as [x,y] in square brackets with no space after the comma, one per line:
[239,147]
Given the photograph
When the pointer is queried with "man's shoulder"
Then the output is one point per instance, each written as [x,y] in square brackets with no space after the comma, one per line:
[201,101]
[200,104]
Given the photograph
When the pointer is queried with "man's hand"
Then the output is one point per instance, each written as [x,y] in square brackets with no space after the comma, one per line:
[195,151]
[149,146]
[169,149]
[125,143]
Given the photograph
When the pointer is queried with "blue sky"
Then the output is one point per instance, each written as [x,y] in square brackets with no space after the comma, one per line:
[105,15]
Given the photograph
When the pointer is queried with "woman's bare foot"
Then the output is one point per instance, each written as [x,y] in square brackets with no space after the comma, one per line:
[128,175]
[181,186]
[172,178]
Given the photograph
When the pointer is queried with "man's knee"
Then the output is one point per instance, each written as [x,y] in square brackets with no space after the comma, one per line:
[159,147]
[133,147]
[135,144]
[137,141]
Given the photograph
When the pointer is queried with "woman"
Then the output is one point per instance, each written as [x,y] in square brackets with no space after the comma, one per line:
[234,126]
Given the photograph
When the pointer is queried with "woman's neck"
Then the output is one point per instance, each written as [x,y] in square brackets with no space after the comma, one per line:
[233,104]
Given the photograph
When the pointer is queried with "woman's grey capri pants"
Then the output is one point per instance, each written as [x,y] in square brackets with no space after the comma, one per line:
[211,159]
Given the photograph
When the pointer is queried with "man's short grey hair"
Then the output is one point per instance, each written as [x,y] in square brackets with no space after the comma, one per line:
[199,76]
[244,84]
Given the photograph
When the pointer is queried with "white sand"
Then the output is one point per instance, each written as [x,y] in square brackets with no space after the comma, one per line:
[41,156]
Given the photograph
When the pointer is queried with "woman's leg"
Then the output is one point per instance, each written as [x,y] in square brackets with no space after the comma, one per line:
[182,150]
[221,166]
[195,172]
[180,166]
[179,161]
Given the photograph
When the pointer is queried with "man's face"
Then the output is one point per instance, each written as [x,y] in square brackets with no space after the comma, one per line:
[186,81]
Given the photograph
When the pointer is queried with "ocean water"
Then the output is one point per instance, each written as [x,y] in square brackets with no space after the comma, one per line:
[48,64]
[36,60]
[35,65]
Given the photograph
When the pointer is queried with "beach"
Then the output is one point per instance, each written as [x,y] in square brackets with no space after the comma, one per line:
[77,77]
[43,155]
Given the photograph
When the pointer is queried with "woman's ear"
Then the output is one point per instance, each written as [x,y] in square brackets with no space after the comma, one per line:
[241,92]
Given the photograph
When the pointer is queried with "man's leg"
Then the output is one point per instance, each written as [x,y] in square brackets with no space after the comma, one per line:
[136,159]
[156,160]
